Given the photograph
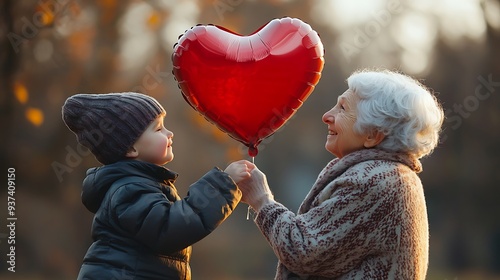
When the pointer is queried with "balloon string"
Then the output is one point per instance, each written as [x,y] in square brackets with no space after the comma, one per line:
[249,208]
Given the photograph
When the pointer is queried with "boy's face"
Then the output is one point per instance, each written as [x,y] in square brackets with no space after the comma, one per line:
[154,145]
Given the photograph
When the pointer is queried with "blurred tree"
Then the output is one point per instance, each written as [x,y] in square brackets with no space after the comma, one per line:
[8,67]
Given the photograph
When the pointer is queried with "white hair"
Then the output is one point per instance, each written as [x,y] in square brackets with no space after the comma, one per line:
[400,107]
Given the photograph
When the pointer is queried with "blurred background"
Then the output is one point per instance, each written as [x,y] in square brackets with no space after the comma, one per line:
[51,49]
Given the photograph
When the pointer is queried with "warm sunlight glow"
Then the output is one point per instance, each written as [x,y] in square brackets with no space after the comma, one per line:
[44,16]
[492,13]
[341,14]
[369,33]
[34,116]
[137,37]
[414,30]
[417,35]
[43,50]
[460,20]
[21,93]
[183,15]
[154,20]
[414,61]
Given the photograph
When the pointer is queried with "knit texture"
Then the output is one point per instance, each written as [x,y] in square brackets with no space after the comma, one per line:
[109,124]
[364,218]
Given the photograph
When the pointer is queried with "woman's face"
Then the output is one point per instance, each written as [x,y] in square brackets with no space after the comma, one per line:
[342,139]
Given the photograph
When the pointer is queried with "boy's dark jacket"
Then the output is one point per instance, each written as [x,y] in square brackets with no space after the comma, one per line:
[142,229]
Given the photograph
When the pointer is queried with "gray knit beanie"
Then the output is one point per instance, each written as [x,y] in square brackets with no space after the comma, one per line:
[109,124]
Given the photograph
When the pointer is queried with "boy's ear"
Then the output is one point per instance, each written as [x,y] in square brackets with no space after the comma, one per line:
[373,139]
[132,153]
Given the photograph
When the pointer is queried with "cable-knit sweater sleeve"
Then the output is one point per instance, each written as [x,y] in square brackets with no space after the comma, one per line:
[351,218]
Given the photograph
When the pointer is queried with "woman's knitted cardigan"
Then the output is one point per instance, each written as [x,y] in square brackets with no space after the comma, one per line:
[364,218]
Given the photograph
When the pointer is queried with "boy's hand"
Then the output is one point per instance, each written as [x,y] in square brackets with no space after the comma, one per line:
[239,170]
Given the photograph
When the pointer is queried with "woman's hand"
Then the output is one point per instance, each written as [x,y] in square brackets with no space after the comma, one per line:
[239,170]
[255,190]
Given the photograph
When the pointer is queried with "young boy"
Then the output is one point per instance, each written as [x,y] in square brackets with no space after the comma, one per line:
[142,229]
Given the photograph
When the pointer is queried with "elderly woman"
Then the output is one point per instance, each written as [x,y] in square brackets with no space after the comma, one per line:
[365,216]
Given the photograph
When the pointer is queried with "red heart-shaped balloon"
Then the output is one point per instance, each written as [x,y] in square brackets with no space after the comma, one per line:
[249,86]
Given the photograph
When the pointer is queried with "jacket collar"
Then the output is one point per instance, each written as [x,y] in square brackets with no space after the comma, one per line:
[100,179]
